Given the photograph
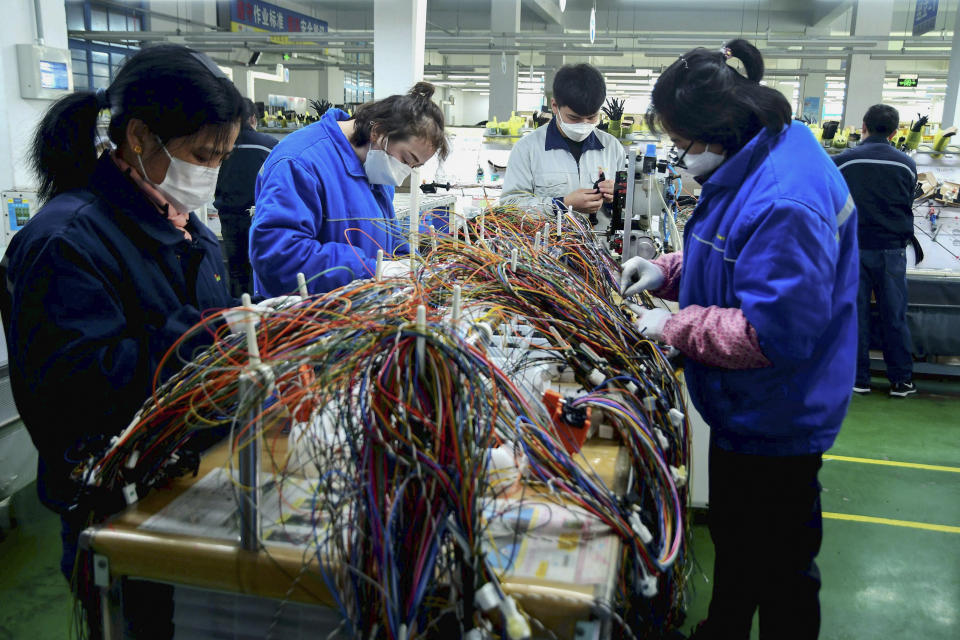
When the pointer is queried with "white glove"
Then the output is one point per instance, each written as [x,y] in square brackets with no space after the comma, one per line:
[639,275]
[651,322]
[280,302]
[395,269]
[236,318]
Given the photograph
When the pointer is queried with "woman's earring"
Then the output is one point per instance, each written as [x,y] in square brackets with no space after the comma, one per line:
[137,149]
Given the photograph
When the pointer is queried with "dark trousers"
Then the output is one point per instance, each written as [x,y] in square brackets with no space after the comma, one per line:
[883,272]
[766,528]
[235,229]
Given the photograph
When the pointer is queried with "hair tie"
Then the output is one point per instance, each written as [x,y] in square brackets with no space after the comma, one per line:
[103,99]
[684,61]
[726,53]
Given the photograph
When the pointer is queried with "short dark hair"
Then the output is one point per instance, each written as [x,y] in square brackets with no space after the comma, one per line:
[701,97]
[579,87]
[173,90]
[401,117]
[249,110]
[881,119]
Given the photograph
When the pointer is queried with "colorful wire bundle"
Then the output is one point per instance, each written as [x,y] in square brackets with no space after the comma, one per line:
[396,419]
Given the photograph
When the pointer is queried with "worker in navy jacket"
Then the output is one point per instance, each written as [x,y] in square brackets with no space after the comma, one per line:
[235,196]
[325,195]
[882,181]
[114,268]
[766,285]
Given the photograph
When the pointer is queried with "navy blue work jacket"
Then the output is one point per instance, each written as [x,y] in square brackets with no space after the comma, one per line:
[99,285]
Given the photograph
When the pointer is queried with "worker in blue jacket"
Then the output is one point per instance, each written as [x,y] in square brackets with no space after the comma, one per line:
[767,289]
[111,272]
[325,195]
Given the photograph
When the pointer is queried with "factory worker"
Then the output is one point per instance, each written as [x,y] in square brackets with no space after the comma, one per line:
[325,194]
[560,164]
[115,267]
[767,289]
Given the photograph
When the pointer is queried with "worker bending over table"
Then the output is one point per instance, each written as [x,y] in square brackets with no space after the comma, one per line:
[325,194]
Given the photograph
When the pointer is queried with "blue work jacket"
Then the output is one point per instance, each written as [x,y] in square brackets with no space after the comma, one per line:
[774,234]
[317,213]
[98,287]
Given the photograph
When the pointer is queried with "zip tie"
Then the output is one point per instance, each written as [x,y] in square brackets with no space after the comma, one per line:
[302,285]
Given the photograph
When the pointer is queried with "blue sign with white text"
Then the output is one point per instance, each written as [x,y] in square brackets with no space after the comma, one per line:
[925,16]
[270,17]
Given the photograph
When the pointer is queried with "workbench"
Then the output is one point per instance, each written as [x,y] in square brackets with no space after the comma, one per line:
[224,592]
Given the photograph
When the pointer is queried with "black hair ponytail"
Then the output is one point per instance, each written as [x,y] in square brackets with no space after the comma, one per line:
[749,55]
[63,154]
[701,97]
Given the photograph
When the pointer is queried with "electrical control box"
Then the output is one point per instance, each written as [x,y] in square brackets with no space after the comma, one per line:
[45,72]
[19,208]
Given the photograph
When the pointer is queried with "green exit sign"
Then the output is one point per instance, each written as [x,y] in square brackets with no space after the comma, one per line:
[907,81]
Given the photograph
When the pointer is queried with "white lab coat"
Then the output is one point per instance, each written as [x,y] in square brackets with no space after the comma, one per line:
[536,175]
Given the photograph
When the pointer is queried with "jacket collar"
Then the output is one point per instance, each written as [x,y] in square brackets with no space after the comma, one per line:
[126,198]
[877,138]
[349,157]
[733,172]
[555,139]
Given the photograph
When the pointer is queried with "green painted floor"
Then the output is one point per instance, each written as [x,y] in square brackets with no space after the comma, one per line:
[879,581]
[884,581]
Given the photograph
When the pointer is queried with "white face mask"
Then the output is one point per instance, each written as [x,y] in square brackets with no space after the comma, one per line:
[187,186]
[700,164]
[383,168]
[576,132]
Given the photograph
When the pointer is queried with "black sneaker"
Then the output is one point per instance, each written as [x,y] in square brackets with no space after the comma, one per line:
[861,389]
[902,389]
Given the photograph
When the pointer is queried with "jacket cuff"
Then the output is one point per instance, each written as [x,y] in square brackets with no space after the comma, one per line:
[715,336]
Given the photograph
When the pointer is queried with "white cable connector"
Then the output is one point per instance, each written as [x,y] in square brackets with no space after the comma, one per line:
[378,272]
[639,528]
[679,475]
[513,259]
[650,403]
[596,378]
[676,416]
[487,598]
[130,494]
[517,626]
[648,586]
[474,634]
[536,242]
[132,460]
[632,388]
[664,443]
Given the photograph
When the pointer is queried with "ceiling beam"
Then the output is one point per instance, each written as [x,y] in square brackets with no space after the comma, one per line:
[547,10]
[824,12]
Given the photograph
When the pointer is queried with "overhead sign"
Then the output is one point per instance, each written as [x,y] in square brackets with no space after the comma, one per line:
[263,16]
[907,81]
[925,16]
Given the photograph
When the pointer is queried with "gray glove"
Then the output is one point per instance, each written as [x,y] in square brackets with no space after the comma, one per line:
[639,275]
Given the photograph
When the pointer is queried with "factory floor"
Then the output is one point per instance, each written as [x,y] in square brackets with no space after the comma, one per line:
[891,551]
